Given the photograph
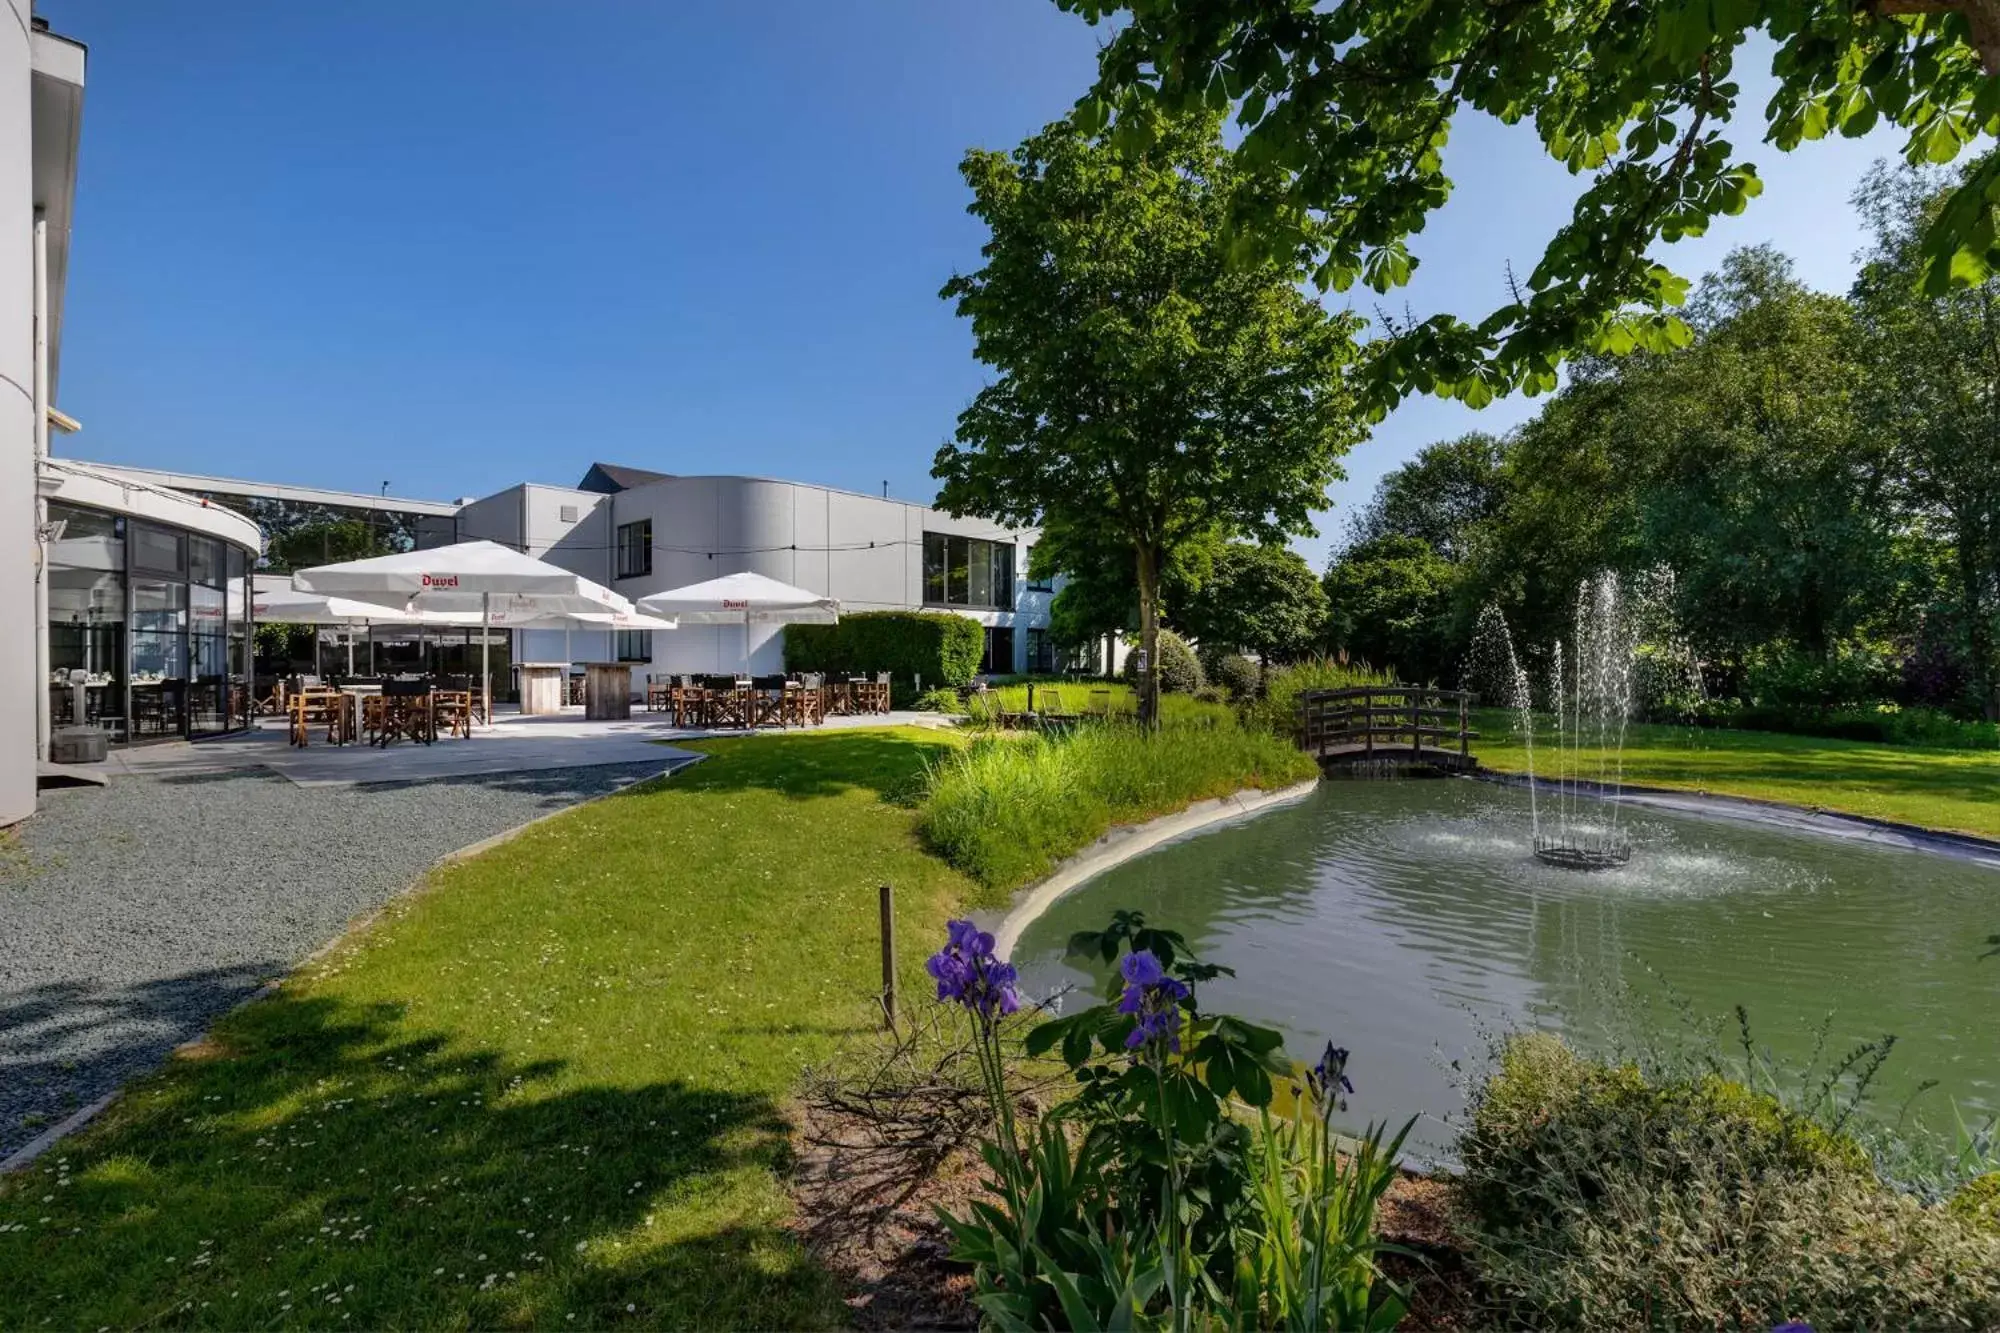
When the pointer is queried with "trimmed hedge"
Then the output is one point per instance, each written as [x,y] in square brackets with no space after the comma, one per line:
[939,647]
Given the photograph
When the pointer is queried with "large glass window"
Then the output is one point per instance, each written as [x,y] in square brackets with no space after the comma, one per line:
[159,656]
[635,549]
[157,620]
[159,550]
[968,571]
[87,617]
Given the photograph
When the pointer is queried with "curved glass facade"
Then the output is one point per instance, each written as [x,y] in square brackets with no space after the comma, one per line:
[157,618]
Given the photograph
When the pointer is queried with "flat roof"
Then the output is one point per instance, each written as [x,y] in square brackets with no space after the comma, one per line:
[267,490]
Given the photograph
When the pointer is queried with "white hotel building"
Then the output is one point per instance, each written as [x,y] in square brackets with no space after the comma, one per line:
[642,532]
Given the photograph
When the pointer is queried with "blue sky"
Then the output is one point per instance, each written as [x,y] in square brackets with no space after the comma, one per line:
[456,246]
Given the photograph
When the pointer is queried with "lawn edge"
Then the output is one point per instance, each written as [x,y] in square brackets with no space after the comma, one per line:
[28,1153]
[1123,842]
[1823,820]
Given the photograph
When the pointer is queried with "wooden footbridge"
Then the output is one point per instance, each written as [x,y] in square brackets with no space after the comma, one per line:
[1371,727]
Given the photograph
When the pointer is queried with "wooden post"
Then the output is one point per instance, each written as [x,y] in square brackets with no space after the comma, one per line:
[1417,701]
[1368,723]
[1464,741]
[889,956]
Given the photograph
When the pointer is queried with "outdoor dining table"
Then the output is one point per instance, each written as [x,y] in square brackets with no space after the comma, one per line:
[542,685]
[607,691]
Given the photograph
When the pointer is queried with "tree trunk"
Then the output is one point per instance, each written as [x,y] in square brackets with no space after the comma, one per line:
[1149,634]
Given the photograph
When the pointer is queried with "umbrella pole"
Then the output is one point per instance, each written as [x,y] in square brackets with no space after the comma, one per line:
[350,650]
[485,665]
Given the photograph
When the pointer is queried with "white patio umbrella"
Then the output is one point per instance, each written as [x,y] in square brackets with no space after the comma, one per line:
[743,599]
[612,620]
[476,576]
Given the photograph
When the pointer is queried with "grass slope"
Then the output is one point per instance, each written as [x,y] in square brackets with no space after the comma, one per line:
[546,1091]
[1956,790]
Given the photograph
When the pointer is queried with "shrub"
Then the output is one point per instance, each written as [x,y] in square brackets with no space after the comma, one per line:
[1236,674]
[1179,669]
[1848,676]
[939,699]
[935,646]
[1278,710]
[1008,807]
[1919,728]
[1594,1197]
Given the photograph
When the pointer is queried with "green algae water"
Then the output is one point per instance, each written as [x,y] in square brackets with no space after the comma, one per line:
[1410,922]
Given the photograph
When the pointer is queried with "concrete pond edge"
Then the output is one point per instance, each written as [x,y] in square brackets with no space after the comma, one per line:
[1771,814]
[26,1155]
[1128,841]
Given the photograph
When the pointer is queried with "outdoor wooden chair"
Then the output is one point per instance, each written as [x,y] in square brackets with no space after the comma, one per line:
[451,713]
[659,696]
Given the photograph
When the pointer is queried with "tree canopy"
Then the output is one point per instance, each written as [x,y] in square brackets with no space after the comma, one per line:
[1256,599]
[1346,107]
[1820,475]
[1154,385]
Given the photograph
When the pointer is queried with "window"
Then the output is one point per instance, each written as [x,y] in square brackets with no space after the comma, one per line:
[999,657]
[1043,584]
[968,571]
[635,549]
[1041,652]
[159,550]
[635,645]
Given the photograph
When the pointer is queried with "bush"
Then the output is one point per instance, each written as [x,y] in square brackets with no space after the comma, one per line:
[1236,674]
[1594,1197]
[1919,728]
[941,699]
[1179,669]
[1008,807]
[1278,711]
[1851,675]
[935,646]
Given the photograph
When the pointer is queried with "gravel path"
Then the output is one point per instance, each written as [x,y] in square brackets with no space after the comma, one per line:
[131,916]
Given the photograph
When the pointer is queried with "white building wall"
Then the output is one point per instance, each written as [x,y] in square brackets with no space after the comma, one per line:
[864,550]
[19,687]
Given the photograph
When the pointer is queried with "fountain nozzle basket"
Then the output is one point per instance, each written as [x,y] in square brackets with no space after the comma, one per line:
[1583,854]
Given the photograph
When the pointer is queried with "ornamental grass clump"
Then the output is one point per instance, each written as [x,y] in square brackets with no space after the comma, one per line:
[1594,1196]
[1148,1198]
[1008,807]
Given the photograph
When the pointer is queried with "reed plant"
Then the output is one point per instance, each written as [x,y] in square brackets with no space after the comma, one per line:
[1007,807]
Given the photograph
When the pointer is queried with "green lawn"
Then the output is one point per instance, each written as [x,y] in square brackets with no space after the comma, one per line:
[548,1090]
[1957,790]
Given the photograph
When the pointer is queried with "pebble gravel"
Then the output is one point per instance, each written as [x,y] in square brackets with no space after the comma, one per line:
[131,916]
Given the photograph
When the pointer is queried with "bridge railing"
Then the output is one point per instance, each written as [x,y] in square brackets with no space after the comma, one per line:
[1384,721]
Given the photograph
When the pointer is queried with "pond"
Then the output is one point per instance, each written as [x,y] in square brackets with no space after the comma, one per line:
[1410,922]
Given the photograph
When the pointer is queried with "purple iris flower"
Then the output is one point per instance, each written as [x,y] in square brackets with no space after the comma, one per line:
[1153,998]
[1793,1326]
[1141,968]
[967,973]
[1330,1074]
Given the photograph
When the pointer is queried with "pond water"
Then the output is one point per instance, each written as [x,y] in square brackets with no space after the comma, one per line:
[1409,922]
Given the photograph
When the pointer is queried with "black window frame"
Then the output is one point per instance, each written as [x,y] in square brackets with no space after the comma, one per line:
[949,554]
[1034,584]
[642,529]
[642,637]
